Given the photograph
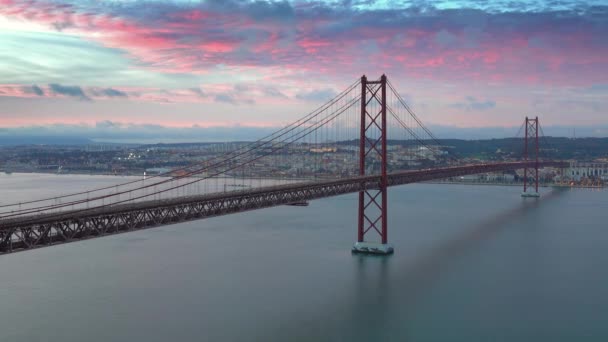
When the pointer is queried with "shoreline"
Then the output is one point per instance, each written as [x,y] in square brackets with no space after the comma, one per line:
[147,176]
[545,185]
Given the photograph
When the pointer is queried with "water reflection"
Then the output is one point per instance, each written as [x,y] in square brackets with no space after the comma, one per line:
[468,259]
[386,290]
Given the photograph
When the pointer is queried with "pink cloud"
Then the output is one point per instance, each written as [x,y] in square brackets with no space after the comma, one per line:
[246,93]
[15,90]
[520,48]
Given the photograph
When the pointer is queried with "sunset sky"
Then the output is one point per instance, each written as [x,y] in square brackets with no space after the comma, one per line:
[86,64]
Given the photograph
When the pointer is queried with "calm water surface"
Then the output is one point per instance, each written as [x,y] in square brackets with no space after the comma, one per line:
[471,264]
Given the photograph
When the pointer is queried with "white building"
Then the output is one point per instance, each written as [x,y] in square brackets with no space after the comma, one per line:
[582,170]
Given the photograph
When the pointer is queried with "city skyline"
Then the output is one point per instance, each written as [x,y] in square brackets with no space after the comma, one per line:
[465,66]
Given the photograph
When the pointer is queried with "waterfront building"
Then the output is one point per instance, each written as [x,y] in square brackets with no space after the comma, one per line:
[587,170]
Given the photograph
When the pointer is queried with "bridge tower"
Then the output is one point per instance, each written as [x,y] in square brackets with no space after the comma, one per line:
[372,147]
[531,131]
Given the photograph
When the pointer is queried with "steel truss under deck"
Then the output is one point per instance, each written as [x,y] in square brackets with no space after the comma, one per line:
[28,232]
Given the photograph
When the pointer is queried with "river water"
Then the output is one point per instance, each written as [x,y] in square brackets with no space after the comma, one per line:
[471,263]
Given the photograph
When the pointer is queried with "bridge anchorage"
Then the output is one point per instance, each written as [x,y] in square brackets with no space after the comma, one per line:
[373,203]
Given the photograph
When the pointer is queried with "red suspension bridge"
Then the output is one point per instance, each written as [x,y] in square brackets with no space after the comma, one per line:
[355,128]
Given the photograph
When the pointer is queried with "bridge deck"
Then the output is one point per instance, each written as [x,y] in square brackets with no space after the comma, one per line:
[26,232]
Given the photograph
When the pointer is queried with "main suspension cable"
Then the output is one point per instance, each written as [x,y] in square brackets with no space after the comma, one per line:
[281,144]
[262,140]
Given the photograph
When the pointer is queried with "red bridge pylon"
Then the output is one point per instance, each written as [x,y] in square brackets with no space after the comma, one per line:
[372,147]
[531,138]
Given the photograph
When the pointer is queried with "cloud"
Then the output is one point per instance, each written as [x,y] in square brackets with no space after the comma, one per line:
[225,98]
[34,89]
[198,91]
[232,99]
[114,93]
[134,133]
[241,88]
[105,93]
[317,95]
[273,92]
[597,88]
[59,90]
[472,103]
[71,91]
[236,95]
[573,105]
[507,41]
[106,124]
[83,93]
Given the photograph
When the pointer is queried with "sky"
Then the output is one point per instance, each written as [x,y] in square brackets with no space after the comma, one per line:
[165,67]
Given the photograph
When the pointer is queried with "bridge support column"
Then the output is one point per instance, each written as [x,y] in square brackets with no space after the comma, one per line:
[531,190]
[372,146]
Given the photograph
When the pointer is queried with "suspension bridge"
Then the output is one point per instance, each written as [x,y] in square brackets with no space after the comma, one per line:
[364,140]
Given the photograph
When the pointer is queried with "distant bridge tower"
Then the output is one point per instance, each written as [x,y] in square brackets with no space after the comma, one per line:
[372,145]
[531,138]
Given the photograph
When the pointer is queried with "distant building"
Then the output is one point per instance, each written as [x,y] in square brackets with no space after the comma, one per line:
[499,177]
[587,170]
[323,150]
[157,170]
[469,178]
